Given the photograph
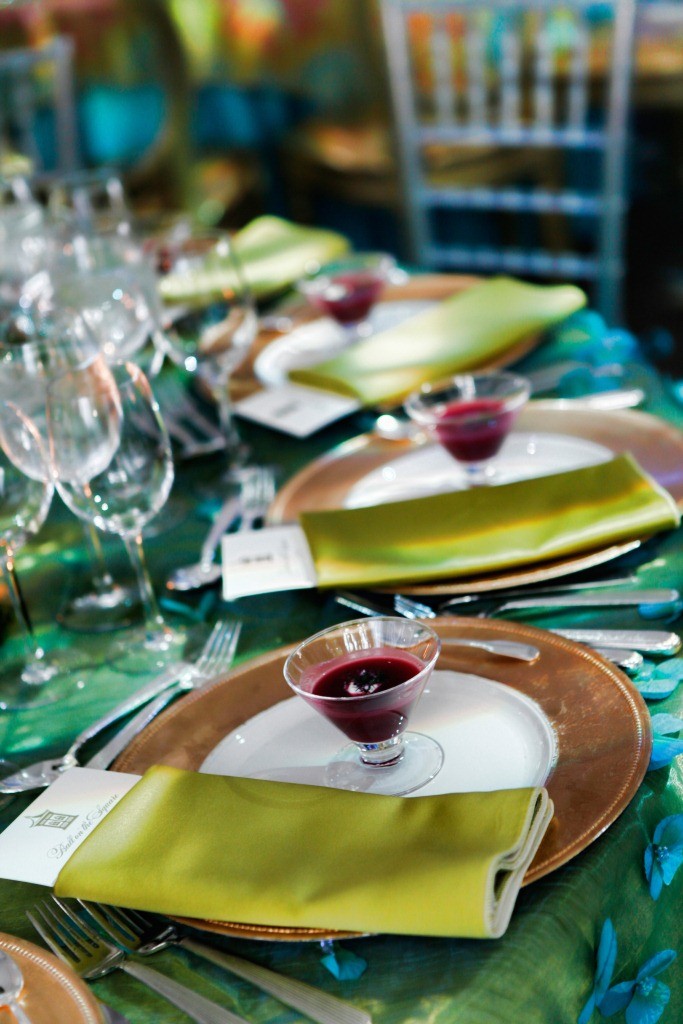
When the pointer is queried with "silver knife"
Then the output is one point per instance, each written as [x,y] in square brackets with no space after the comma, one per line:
[649,641]
[618,597]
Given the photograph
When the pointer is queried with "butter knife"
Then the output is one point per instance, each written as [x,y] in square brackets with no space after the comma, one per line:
[649,641]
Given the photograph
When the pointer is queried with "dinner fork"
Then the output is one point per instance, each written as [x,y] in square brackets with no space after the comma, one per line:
[216,658]
[185,421]
[257,490]
[144,935]
[90,956]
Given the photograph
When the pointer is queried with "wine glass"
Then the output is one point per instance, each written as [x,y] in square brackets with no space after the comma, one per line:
[24,504]
[91,201]
[348,289]
[210,316]
[365,677]
[35,348]
[470,415]
[24,237]
[112,461]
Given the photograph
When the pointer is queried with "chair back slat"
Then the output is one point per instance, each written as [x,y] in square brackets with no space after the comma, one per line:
[510,107]
[32,80]
[533,79]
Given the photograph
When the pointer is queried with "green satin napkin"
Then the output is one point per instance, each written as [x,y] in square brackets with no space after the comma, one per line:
[275,252]
[461,333]
[488,528]
[276,853]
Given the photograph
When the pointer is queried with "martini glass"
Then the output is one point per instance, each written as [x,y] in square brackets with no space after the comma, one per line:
[470,415]
[365,677]
[348,289]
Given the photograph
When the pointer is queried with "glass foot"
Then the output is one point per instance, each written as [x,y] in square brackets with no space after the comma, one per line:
[36,684]
[101,611]
[421,761]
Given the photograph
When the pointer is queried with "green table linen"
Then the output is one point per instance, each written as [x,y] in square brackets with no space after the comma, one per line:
[466,331]
[277,853]
[275,252]
[487,528]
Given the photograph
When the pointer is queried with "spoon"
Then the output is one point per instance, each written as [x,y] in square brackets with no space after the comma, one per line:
[11,984]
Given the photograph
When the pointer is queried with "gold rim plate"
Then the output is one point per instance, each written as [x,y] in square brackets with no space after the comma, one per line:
[657,446]
[600,720]
[52,993]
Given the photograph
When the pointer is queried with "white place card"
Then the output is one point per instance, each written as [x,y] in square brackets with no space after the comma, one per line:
[264,561]
[296,410]
[35,846]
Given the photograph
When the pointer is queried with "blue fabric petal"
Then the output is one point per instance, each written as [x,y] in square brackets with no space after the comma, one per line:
[670,831]
[663,752]
[655,687]
[647,1006]
[660,611]
[670,668]
[666,725]
[656,964]
[606,959]
[616,998]
[343,964]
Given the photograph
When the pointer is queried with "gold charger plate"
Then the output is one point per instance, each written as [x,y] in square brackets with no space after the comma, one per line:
[244,382]
[657,446]
[52,993]
[601,723]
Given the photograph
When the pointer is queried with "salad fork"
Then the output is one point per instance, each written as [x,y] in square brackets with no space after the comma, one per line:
[144,935]
[90,956]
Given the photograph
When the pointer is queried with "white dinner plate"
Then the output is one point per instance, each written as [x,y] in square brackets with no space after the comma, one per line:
[431,470]
[493,737]
[323,338]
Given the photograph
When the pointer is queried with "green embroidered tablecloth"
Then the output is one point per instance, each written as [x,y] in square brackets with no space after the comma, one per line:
[540,972]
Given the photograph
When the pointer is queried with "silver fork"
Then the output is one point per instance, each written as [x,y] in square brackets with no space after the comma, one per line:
[186,422]
[181,675]
[257,490]
[216,658]
[90,956]
[145,935]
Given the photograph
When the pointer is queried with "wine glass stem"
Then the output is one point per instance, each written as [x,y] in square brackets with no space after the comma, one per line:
[102,578]
[156,629]
[34,652]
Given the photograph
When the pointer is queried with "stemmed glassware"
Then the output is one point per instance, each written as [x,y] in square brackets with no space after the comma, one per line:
[471,415]
[209,316]
[90,201]
[112,461]
[348,289]
[34,349]
[25,499]
[365,677]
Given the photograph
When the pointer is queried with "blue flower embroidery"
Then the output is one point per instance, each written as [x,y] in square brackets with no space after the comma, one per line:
[664,749]
[342,963]
[664,855]
[644,998]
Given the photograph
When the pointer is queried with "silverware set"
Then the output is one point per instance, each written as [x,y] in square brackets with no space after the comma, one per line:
[214,660]
[95,940]
[256,492]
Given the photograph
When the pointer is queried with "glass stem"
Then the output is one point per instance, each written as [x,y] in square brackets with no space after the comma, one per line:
[225,417]
[158,634]
[34,652]
[102,578]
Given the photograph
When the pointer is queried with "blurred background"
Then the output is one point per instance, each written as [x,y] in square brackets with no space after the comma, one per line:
[232,108]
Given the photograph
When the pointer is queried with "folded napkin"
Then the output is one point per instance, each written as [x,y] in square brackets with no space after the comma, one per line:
[274,252]
[488,528]
[277,853]
[468,330]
